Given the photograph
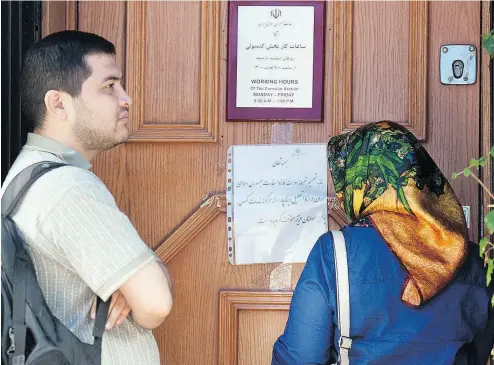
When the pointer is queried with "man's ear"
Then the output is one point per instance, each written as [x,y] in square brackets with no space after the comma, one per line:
[56,105]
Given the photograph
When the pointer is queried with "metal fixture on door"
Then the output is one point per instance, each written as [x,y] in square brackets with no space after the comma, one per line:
[466,212]
[458,64]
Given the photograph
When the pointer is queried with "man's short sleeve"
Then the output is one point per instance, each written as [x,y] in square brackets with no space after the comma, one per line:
[95,238]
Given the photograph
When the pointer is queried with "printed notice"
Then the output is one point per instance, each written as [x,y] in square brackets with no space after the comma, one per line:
[275,56]
[277,198]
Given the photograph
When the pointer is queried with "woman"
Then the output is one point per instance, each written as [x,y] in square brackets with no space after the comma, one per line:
[418,292]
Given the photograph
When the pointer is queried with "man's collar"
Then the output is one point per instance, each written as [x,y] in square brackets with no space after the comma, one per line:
[42,143]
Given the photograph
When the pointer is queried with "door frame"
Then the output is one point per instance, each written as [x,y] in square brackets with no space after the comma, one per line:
[21,28]
[486,112]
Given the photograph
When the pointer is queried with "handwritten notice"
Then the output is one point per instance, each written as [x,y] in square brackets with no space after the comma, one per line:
[277,201]
[275,56]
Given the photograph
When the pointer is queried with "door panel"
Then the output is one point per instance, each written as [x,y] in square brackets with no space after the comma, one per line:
[259,330]
[173,68]
[381,62]
[176,84]
[453,112]
[380,72]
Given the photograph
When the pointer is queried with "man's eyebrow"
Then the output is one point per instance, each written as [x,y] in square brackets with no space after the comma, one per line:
[114,77]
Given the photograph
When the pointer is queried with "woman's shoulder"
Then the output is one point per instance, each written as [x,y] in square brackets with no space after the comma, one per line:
[364,245]
[358,232]
[358,238]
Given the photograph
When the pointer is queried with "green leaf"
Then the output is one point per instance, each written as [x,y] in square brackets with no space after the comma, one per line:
[348,200]
[355,150]
[492,151]
[473,162]
[483,161]
[482,245]
[454,176]
[383,152]
[489,221]
[384,162]
[467,172]
[357,170]
[403,199]
[488,43]
[490,269]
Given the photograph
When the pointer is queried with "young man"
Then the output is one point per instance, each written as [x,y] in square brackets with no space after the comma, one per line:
[81,244]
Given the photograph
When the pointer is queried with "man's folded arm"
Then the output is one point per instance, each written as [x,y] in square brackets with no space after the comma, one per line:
[149,294]
[98,241]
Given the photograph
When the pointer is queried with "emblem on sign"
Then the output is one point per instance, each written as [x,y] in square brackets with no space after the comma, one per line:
[276,13]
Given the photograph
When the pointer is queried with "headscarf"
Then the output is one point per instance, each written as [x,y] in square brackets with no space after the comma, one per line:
[382,172]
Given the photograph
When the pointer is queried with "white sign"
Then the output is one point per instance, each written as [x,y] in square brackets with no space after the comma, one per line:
[275,56]
[277,201]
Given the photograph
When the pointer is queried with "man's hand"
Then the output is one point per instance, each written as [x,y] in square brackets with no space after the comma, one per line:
[118,311]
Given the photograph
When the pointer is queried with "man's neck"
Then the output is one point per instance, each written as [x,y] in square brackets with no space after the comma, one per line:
[87,154]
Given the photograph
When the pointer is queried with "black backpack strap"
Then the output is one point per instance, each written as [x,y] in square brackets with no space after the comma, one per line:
[11,200]
[99,324]
[18,187]
[101,318]
[19,312]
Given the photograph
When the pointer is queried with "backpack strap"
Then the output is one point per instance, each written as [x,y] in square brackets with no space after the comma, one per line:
[101,318]
[11,200]
[343,296]
[19,311]
[17,188]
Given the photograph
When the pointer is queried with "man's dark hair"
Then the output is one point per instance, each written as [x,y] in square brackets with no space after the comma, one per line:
[57,62]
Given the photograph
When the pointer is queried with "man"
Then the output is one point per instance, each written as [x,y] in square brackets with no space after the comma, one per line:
[81,244]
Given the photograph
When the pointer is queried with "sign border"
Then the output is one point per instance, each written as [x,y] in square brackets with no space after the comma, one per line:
[314,114]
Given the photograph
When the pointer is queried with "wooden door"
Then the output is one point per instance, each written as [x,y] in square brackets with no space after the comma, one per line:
[381,62]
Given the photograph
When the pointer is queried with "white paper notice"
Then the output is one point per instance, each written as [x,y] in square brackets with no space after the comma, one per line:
[275,56]
[278,201]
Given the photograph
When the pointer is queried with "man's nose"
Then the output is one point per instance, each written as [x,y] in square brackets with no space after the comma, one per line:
[125,99]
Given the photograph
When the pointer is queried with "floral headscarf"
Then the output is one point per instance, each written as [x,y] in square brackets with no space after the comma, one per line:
[382,172]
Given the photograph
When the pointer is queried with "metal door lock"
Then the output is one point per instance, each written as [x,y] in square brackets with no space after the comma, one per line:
[458,67]
[458,64]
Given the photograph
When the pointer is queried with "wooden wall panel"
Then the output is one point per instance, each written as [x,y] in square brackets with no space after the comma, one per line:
[453,111]
[418,45]
[57,16]
[199,271]
[240,340]
[175,85]
[191,227]
[173,72]
[362,92]
[107,19]
[258,330]
[167,182]
[380,61]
